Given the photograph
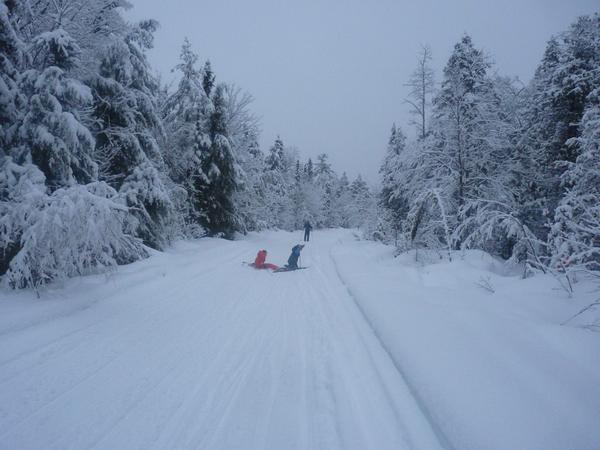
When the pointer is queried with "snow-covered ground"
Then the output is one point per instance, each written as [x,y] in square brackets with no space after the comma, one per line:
[192,349]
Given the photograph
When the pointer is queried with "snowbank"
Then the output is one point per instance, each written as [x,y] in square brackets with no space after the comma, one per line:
[495,369]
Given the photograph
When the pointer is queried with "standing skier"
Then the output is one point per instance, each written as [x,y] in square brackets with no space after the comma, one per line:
[307,228]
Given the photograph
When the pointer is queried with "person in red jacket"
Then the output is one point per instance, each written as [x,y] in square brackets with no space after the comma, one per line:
[259,262]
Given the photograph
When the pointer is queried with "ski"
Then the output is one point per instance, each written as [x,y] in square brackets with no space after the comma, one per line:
[287,269]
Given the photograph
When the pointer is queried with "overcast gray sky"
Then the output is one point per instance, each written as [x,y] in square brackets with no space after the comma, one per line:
[328,76]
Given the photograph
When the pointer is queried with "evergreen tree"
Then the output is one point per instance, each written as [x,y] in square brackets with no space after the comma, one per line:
[362,201]
[393,180]
[470,149]
[208,79]
[12,100]
[55,137]
[565,77]
[215,194]
[575,235]
[184,114]
[309,170]
[279,186]
[275,158]
[343,205]
[181,112]
[250,199]
[127,123]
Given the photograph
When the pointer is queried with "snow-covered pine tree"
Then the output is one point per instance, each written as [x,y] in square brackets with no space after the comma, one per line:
[243,130]
[50,226]
[306,197]
[275,157]
[216,190]
[363,203]
[12,100]
[12,104]
[309,172]
[565,77]
[181,112]
[470,146]
[53,132]
[208,79]
[394,181]
[184,115]
[126,126]
[278,186]
[325,181]
[575,235]
[250,199]
[343,205]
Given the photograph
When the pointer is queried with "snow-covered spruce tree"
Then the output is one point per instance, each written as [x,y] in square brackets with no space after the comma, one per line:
[126,126]
[325,180]
[249,198]
[306,198]
[363,212]
[12,104]
[565,77]
[309,171]
[184,114]
[53,133]
[393,194]
[496,224]
[278,186]
[575,235]
[181,112]
[343,204]
[469,150]
[215,191]
[298,197]
[50,226]
[314,197]
[12,100]
[93,24]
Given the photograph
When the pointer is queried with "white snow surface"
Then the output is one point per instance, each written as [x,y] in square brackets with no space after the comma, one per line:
[192,349]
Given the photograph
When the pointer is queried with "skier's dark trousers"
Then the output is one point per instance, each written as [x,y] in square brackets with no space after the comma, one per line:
[307,228]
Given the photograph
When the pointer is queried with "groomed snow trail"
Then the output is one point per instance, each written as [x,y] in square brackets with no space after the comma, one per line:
[192,350]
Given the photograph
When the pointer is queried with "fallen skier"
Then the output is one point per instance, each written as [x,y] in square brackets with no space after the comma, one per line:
[259,262]
[292,263]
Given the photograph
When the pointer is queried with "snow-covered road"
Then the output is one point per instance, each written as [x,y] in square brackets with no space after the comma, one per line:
[191,349]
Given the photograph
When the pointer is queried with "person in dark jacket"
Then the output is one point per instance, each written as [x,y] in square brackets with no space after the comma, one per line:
[293,259]
[307,228]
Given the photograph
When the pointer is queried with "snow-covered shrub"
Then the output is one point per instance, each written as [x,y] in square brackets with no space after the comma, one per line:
[22,189]
[148,200]
[77,230]
[494,227]
[428,221]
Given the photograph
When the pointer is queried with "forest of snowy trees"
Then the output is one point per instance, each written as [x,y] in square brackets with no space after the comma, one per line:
[497,165]
[100,161]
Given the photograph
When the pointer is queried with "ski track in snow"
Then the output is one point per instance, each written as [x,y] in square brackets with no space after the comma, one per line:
[203,352]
